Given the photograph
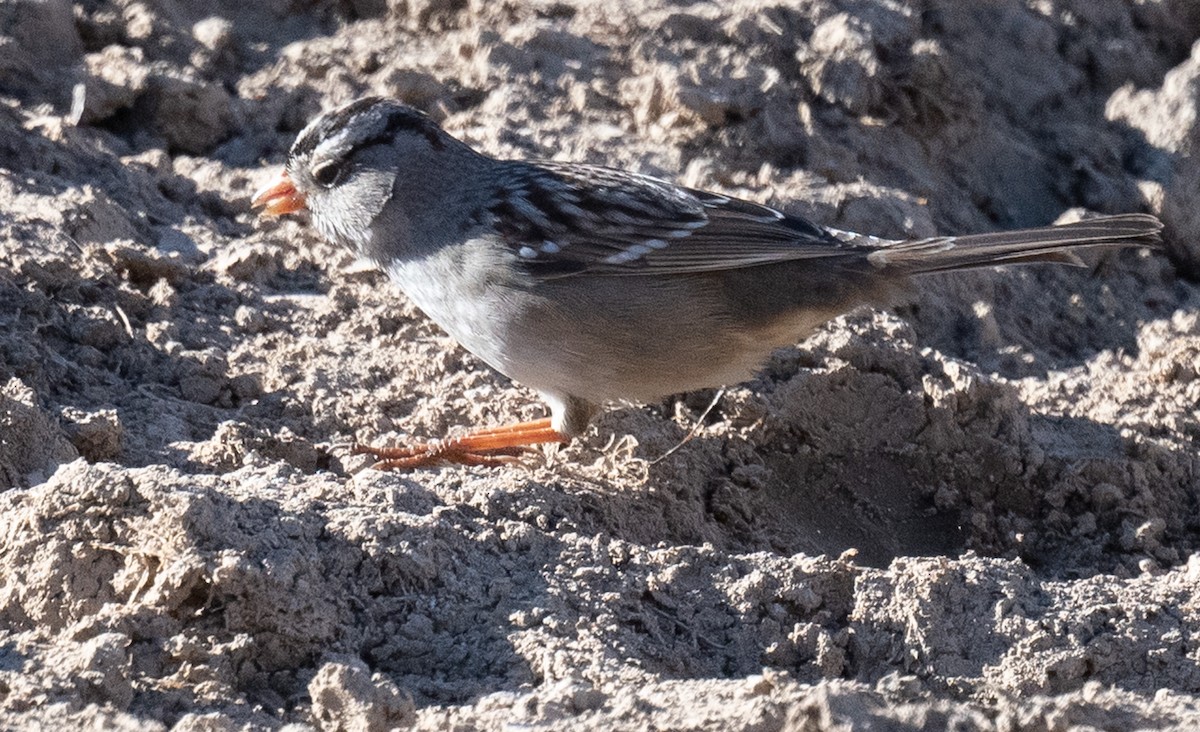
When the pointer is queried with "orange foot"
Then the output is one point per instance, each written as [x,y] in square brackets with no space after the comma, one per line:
[490,447]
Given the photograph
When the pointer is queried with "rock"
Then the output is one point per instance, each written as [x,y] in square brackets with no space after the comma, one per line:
[32,444]
[43,30]
[1169,118]
[348,698]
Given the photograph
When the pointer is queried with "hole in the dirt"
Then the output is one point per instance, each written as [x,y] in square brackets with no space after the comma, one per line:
[124,123]
[880,508]
[197,600]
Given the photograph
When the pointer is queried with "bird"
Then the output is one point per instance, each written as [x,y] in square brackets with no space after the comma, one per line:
[592,284]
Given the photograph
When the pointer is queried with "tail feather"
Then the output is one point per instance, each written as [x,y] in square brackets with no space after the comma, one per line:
[1022,246]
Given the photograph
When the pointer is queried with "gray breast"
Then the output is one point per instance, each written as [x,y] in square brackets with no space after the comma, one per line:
[468,289]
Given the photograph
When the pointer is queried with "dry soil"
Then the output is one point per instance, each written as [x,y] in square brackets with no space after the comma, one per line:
[976,511]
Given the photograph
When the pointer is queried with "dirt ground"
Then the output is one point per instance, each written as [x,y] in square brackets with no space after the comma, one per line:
[977,511]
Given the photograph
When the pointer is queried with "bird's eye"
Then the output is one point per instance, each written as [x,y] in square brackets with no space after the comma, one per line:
[327,173]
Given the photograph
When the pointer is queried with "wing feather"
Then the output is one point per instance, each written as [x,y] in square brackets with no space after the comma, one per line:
[562,219]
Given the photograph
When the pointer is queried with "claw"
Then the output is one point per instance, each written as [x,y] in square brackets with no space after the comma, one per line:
[487,447]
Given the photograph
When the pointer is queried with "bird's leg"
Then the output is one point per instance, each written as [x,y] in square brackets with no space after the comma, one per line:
[490,446]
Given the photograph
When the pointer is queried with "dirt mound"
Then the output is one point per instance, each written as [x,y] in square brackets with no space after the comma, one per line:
[978,512]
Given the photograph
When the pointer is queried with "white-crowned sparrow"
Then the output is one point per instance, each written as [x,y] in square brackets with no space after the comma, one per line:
[591,284]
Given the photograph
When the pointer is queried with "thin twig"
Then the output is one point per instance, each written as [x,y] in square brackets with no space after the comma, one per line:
[124,320]
[695,428]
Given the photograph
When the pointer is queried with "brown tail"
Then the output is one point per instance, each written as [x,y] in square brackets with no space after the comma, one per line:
[1022,246]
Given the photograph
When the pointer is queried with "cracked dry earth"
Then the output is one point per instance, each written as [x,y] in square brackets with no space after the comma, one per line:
[977,510]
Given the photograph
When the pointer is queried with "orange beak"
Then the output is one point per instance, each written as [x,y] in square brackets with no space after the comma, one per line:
[279,198]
